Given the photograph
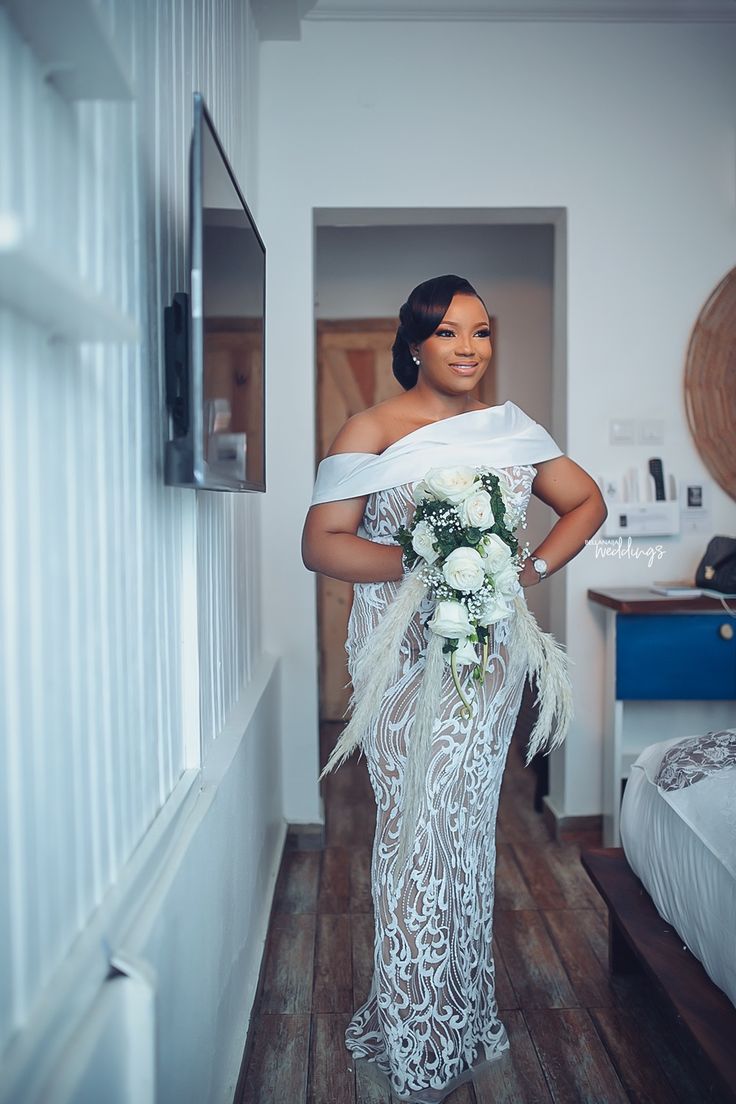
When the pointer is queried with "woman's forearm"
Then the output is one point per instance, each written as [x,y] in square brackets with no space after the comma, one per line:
[569,534]
[355,559]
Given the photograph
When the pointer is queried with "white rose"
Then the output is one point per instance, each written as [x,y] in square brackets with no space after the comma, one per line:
[463,570]
[506,579]
[476,510]
[420,492]
[451,620]
[495,608]
[452,484]
[421,541]
[465,653]
[495,552]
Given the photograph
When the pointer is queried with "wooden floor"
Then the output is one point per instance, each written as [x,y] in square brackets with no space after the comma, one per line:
[575,1033]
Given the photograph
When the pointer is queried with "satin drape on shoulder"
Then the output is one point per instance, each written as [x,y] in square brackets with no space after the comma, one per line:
[496,437]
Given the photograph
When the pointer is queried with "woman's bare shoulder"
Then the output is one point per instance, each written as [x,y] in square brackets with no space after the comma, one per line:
[364,432]
[371,430]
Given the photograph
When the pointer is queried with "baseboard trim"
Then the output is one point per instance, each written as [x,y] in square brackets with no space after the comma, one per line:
[587,830]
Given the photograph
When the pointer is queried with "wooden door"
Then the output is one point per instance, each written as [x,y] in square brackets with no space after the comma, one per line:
[353,373]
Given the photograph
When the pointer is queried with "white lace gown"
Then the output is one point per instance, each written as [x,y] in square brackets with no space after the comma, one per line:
[431,1019]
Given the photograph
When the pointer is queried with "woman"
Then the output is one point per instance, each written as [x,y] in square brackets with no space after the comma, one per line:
[431,1019]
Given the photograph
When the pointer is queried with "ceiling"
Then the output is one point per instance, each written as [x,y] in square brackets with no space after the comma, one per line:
[283,19]
[520,10]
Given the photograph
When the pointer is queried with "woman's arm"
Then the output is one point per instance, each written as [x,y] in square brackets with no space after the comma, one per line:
[331,546]
[330,543]
[577,499]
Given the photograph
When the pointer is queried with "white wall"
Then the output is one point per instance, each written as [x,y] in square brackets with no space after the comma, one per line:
[368,272]
[630,129]
[128,608]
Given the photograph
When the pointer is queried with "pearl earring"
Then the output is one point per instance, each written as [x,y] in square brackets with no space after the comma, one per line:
[416,360]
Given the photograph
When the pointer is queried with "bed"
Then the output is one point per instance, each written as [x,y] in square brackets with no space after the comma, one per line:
[678,832]
[671,893]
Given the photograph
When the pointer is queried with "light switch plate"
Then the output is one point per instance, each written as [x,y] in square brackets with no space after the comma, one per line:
[622,431]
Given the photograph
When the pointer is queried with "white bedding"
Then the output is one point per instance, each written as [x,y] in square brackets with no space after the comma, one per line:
[681,844]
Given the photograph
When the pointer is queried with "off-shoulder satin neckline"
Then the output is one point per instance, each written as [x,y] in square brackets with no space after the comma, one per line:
[420,429]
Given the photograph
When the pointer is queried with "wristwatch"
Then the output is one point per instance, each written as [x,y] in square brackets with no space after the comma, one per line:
[540,566]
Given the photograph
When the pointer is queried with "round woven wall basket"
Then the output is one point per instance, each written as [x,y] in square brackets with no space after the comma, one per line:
[710,383]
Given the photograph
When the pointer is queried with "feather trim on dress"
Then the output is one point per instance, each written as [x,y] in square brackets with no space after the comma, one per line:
[376,667]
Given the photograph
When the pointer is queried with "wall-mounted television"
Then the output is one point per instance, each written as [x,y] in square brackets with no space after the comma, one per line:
[214,333]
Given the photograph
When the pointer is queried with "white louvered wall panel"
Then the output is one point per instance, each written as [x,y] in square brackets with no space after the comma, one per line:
[93,546]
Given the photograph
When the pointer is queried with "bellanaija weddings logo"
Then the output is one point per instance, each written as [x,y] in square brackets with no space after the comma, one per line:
[603,546]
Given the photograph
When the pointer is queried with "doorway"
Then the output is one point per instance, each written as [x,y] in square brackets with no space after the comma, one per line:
[366,262]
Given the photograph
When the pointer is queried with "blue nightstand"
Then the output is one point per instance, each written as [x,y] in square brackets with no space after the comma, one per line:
[657,649]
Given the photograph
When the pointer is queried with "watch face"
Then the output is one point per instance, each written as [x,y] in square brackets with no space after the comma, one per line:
[540,565]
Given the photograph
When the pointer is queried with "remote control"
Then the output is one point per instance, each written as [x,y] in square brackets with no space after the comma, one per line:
[655,469]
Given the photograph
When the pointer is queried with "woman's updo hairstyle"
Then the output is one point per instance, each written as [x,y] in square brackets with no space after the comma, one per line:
[419,317]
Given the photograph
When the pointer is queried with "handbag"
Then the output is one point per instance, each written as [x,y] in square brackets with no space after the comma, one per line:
[717,569]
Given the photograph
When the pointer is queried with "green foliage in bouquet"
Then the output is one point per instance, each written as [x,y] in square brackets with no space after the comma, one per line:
[450,533]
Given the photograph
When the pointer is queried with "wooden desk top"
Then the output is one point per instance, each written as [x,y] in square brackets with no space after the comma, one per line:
[644,600]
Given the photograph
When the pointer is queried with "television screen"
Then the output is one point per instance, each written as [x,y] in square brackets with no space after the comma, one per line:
[218,406]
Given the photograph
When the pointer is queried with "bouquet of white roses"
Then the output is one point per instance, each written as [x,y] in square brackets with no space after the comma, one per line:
[462,533]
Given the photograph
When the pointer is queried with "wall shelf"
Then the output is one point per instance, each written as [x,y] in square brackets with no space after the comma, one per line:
[71,40]
[33,284]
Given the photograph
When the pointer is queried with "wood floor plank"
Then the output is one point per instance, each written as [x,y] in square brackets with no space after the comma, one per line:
[594,925]
[575,1062]
[636,1064]
[333,893]
[289,969]
[350,817]
[515,826]
[512,892]
[298,882]
[516,815]
[361,899]
[363,933]
[331,1072]
[588,977]
[277,1070]
[333,967]
[517,1077]
[543,886]
[563,860]
[505,994]
[534,967]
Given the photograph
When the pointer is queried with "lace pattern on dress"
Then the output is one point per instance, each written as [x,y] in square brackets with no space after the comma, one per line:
[431,1017]
[695,758]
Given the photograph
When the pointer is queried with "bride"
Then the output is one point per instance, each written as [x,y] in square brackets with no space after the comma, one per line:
[431,1018]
